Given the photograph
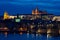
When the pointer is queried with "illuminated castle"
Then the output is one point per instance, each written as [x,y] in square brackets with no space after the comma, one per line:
[36,12]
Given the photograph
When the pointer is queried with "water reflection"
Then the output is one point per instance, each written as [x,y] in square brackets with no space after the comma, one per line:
[27,36]
[53,38]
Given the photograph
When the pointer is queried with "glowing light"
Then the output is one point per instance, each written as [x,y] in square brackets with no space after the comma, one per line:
[12,17]
[17,20]
[59,31]
[6,16]
[57,18]
[5,28]
[31,26]
[21,29]
[39,31]
[48,31]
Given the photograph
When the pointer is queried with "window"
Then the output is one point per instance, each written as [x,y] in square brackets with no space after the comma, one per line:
[17,20]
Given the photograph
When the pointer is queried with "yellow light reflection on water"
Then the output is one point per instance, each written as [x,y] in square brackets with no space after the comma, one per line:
[5,34]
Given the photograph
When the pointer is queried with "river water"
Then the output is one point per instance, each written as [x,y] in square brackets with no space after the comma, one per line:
[27,37]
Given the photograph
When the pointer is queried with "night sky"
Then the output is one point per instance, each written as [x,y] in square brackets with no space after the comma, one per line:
[14,7]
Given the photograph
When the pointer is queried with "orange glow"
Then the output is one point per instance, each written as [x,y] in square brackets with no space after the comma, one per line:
[6,16]
[4,29]
[22,29]
[21,33]
[49,31]
[5,34]
[35,12]
[59,31]
[39,31]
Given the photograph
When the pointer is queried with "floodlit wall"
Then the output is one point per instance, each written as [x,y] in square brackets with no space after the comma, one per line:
[56,18]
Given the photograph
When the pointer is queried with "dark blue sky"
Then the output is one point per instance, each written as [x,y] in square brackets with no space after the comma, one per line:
[26,6]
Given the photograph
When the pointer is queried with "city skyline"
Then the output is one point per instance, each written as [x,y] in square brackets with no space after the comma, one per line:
[29,19]
[26,6]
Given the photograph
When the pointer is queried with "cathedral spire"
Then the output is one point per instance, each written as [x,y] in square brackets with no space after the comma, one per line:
[35,12]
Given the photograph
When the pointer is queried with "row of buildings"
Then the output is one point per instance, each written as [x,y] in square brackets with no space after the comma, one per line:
[37,22]
[35,14]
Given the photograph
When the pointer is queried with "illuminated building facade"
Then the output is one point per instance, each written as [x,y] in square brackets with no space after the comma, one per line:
[56,18]
[37,12]
[6,16]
